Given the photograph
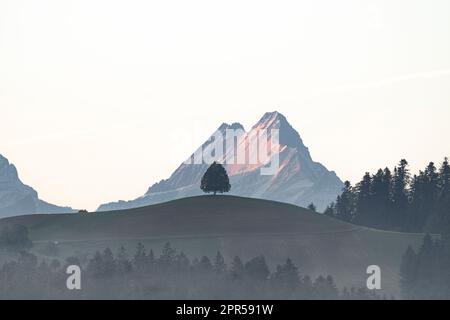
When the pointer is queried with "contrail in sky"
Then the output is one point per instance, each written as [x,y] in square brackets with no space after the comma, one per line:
[387,81]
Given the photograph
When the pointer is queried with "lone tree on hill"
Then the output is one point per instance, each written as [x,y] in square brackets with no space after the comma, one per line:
[215,179]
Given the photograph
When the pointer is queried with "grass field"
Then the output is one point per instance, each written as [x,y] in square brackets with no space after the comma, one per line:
[235,226]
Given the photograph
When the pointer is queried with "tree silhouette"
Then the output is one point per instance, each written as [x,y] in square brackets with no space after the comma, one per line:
[401,180]
[344,203]
[398,201]
[286,275]
[15,238]
[237,268]
[215,179]
[312,207]
[408,268]
[257,269]
[123,263]
[220,266]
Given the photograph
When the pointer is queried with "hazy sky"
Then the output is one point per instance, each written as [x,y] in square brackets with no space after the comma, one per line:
[100,98]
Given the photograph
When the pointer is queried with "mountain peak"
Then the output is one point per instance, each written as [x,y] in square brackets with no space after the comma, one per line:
[16,198]
[234,126]
[288,135]
[270,118]
[3,161]
[8,171]
[223,127]
[237,126]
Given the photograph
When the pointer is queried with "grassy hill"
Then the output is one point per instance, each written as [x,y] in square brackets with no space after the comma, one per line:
[235,226]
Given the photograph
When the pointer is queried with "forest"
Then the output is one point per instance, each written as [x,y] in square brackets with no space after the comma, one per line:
[425,274]
[170,275]
[396,200]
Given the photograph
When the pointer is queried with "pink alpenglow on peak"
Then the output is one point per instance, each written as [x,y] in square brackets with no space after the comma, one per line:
[269,161]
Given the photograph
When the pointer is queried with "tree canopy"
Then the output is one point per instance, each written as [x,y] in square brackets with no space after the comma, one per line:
[215,179]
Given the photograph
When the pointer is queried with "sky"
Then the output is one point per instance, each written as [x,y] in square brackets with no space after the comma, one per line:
[99,99]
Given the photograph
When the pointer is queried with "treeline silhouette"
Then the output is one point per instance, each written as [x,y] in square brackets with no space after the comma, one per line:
[425,274]
[14,238]
[172,275]
[397,201]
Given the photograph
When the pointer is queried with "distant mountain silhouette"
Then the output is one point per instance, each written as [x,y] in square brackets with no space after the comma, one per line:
[298,180]
[17,198]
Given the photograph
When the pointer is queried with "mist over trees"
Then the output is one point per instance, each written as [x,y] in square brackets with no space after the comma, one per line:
[14,238]
[425,274]
[395,200]
[171,275]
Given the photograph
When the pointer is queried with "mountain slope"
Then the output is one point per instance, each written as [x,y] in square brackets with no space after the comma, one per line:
[17,198]
[298,180]
[235,226]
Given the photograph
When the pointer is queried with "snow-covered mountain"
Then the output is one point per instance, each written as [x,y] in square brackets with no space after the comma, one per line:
[17,198]
[297,179]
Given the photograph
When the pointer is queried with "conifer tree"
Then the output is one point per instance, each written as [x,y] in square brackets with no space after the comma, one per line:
[287,276]
[108,263]
[330,210]
[205,265]
[363,206]
[344,203]
[443,202]
[167,258]
[140,258]
[408,273]
[123,263]
[257,269]
[400,194]
[220,266]
[237,268]
[182,262]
